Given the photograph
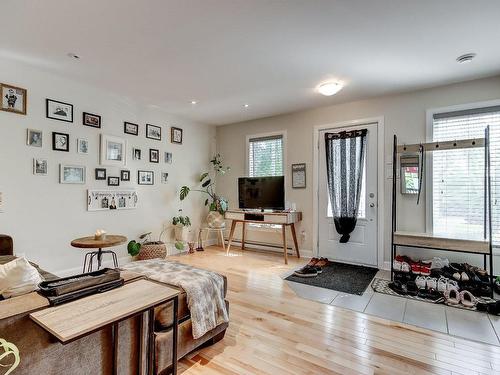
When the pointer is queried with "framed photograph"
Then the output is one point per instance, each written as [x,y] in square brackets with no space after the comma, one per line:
[113,181]
[60,141]
[59,110]
[100,173]
[145,177]
[125,175]
[34,138]
[136,153]
[101,200]
[113,150]
[168,157]
[154,155]
[129,128]
[153,132]
[299,176]
[13,99]
[82,146]
[72,174]
[40,167]
[176,135]
[164,177]
[92,120]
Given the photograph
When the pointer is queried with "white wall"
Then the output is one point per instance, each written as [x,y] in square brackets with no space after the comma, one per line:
[42,215]
[404,114]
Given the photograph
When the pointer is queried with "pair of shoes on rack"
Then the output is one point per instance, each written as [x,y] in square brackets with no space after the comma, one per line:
[465,298]
[444,284]
[427,287]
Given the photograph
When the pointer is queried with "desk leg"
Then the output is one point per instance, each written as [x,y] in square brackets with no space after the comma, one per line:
[243,235]
[285,250]
[231,233]
[295,243]
[151,342]
[141,344]
[174,336]
[114,342]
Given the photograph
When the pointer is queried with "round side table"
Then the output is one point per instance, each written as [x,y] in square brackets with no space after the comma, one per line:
[91,243]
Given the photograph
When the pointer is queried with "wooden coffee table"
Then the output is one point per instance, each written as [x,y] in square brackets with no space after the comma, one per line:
[91,243]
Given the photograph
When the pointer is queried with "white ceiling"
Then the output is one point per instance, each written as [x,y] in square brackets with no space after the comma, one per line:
[268,53]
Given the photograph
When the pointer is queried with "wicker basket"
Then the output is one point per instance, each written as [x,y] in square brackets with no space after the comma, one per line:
[152,250]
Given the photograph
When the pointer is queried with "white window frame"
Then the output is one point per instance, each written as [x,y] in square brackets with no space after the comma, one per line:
[281,133]
[429,194]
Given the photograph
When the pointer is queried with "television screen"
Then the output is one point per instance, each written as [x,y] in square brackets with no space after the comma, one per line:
[262,192]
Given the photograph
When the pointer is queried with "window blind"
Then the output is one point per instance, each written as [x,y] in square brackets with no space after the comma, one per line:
[458,175]
[265,156]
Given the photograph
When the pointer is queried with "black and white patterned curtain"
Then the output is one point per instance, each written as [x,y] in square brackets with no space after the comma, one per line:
[345,154]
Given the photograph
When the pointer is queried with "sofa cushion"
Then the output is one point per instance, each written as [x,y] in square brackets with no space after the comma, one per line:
[18,277]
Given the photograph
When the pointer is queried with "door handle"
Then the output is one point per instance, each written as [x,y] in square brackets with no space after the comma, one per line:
[372,205]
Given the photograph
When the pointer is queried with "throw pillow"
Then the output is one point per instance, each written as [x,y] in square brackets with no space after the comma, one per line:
[18,277]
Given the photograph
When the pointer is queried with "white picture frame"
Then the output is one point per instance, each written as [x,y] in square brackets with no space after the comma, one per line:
[113,151]
[105,200]
[82,146]
[40,167]
[72,174]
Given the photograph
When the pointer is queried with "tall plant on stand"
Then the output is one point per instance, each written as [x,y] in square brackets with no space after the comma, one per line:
[217,205]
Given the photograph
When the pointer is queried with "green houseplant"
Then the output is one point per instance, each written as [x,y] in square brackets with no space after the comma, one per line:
[206,185]
[147,249]
[182,224]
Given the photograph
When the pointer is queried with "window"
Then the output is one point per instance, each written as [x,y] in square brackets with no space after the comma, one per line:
[265,156]
[458,175]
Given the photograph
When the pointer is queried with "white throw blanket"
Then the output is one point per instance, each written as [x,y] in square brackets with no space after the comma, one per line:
[204,290]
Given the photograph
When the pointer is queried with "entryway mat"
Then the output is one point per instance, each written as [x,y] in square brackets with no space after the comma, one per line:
[342,277]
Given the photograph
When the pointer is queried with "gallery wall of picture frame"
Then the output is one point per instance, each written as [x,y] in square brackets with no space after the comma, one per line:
[14,99]
[103,200]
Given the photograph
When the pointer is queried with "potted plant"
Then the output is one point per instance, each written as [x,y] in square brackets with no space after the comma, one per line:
[217,205]
[182,224]
[147,249]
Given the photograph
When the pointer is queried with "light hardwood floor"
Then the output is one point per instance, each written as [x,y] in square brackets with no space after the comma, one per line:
[273,331]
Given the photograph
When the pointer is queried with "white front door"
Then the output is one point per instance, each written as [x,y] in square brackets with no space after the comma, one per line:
[362,246]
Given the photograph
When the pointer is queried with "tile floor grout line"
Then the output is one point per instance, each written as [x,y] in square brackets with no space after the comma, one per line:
[492,326]
[366,306]
[446,319]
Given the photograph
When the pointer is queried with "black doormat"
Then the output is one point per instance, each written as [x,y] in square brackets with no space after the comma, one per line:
[347,278]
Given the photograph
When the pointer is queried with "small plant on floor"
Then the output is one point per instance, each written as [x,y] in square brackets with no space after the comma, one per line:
[134,247]
[180,220]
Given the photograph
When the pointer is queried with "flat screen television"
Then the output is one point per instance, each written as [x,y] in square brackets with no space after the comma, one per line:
[266,193]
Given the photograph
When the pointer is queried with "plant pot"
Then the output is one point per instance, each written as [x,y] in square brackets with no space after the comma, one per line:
[152,250]
[215,220]
[181,233]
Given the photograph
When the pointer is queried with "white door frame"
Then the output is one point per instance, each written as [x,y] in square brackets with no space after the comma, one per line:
[380,179]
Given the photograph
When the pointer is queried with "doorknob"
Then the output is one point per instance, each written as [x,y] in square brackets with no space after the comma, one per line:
[372,205]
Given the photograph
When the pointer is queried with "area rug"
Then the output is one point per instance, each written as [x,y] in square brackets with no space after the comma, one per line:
[342,277]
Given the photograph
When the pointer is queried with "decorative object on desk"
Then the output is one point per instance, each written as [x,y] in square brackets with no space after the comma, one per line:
[100,235]
[299,176]
[101,200]
[145,177]
[13,99]
[191,247]
[113,151]
[34,138]
[164,177]
[113,181]
[153,132]
[60,141]
[154,155]
[57,110]
[147,249]
[176,135]
[89,119]
[168,157]
[182,224]
[9,350]
[100,173]
[82,146]
[130,128]
[40,167]
[125,175]
[136,153]
[218,204]
[72,174]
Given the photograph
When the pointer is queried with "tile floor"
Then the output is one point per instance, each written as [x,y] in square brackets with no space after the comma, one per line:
[471,325]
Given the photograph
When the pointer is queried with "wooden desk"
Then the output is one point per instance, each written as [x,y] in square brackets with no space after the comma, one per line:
[285,219]
[82,317]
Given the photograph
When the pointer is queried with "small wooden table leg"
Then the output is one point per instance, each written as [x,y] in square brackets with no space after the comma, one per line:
[221,235]
[243,230]
[231,233]
[295,243]
[285,250]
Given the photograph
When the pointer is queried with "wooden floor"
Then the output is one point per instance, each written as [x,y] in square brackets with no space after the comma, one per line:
[272,331]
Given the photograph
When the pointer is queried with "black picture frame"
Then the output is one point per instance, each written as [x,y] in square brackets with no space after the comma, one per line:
[85,120]
[173,131]
[113,181]
[48,115]
[131,132]
[150,127]
[100,170]
[125,175]
[152,178]
[152,152]
[54,146]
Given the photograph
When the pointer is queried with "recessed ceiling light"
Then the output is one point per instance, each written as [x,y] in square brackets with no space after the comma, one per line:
[467,58]
[246,105]
[193,102]
[329,88]
[73,56]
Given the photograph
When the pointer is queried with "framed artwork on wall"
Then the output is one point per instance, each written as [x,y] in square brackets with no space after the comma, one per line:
[299,176]
[40,167]
[101,200]
[136,153]
[60,141]
[154,155]
[92,120]
[113,181]
[176,135]
[57,110]
[168,157]
[164,177]
[153,132]
[34,138]
[82,146]
[100,173]
[129,128]
[145,177]
[72,174]
[113,150]
[125,175]
[13,99]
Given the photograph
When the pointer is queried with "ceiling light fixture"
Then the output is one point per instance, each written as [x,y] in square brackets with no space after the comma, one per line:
[193,102]
[465,59]
[246,105]
[73,56]
[329,88]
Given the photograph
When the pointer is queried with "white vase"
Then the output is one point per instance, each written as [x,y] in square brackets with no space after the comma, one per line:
[181,233]
[215,220]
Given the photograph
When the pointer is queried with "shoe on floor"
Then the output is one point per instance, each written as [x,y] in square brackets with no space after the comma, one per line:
[312,262]
[306,271]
